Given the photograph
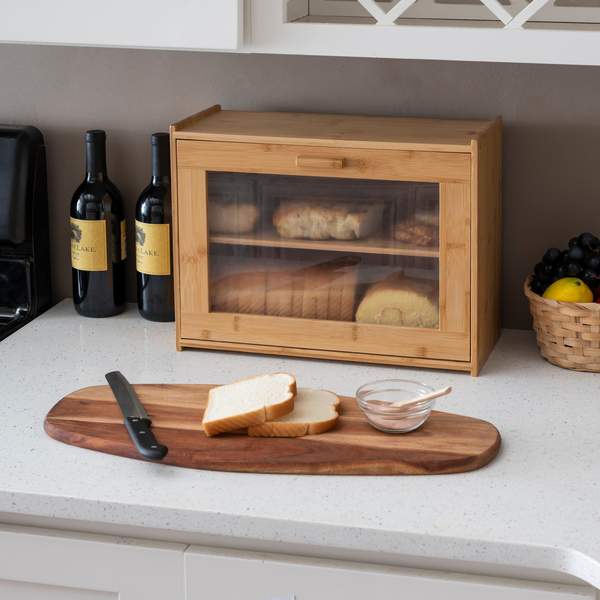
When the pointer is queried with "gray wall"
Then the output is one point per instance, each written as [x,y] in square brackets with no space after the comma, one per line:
[551,116]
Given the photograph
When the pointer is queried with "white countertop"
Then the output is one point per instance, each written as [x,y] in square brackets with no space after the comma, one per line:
[536,506]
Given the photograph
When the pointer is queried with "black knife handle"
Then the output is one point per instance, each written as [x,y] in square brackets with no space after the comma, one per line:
[143,438]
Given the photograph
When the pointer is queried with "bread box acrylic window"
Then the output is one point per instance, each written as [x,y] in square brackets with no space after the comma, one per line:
[369,239]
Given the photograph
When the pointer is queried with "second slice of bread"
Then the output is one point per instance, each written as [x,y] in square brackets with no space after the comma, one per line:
[315,411]
[249,402]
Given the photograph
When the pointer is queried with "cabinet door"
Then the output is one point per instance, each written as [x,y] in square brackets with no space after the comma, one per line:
[135,23]
[340,249]
[232,575]
[45,565]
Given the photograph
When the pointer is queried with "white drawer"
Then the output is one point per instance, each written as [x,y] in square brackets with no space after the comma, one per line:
[230,575]
[39,564]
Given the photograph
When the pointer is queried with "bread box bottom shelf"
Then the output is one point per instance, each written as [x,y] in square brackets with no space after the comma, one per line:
[384,290]
[360,357]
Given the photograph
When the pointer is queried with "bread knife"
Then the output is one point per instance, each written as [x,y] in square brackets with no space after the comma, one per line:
[137,420]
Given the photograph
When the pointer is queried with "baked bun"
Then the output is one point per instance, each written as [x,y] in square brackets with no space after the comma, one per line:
[232,217]
[418,234]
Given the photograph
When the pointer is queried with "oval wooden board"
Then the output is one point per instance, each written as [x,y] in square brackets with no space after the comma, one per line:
[447,443]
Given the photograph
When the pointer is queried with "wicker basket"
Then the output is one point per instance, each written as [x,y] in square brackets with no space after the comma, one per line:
[568,333]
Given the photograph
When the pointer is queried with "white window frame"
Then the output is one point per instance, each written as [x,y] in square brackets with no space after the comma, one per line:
[268,31]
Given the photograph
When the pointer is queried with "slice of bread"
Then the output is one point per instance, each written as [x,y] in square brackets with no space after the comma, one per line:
[249,402]
[315,411]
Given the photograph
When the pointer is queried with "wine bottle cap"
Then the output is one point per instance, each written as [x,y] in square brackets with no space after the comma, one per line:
[159,138]
[95,135]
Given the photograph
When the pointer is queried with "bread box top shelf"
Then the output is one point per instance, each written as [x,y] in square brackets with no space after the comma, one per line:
[394,133]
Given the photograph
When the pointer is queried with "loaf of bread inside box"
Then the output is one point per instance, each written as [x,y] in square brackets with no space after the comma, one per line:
[402,301]
[240,293]
[322,291]
[324,220]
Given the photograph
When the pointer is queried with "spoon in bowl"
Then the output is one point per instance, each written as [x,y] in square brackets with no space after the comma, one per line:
[410,403]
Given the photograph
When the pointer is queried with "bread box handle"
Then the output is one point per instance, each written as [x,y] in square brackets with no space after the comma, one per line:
[319,162]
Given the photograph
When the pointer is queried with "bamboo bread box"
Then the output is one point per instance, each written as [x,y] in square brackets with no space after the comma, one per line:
[368,239]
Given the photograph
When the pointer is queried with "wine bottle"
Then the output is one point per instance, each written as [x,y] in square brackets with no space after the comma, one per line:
[154,264]
[98,239]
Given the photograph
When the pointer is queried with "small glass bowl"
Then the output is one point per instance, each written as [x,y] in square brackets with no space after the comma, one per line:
[375,398]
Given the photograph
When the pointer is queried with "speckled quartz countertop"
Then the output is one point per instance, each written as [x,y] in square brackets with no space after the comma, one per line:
[536,507]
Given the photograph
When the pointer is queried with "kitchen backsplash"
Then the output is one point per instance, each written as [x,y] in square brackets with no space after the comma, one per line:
[551,125]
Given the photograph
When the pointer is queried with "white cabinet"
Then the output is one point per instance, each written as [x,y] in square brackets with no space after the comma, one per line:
[45,565]
[229,575]
[183,24]
[37,564]
[534,31]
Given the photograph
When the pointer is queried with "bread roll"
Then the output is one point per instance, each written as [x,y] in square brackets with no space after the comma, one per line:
[419,234]
[323,220]
[399,300]
[232,217]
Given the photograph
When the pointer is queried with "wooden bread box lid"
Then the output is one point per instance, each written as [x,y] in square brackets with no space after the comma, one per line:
[350,131]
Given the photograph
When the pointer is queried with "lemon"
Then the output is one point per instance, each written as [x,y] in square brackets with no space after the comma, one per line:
[569,289]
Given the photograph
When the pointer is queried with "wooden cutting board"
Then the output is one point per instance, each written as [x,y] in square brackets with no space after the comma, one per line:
[447,443]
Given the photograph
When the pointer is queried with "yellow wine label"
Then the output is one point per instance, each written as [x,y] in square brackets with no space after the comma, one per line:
[152,248]
[123,240]
[88,245]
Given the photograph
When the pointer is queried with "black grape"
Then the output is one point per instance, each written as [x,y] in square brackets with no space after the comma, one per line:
[576,254]
[551,256]
[590,278]
[593,263]
[537,287]
[586,238]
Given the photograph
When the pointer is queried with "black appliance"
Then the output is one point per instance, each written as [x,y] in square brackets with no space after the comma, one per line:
[24,246]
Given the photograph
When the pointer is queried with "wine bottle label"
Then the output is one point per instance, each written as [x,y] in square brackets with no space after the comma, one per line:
[152,248]
[88,245]
[123,240]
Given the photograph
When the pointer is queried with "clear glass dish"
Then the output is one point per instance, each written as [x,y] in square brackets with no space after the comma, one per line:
[376,400]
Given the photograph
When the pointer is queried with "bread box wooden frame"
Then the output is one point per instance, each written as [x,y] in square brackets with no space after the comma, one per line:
[464,157]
